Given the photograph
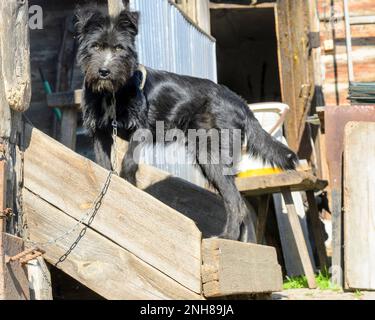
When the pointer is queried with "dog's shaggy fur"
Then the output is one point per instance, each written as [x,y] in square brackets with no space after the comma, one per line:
[108,58]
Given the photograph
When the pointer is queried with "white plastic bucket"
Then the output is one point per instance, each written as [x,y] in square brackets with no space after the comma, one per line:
[271,116]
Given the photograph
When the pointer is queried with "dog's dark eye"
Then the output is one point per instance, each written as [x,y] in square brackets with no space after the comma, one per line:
[119,47]
[96,46]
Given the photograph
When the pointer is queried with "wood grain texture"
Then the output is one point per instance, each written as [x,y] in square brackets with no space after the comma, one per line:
[295,180]
[235,268]
[133,219]
[68,99]
[359,205]
[14,284]
[39,280]
[69,128]
[292,258]
[15,53]
[299,239]
[97,262]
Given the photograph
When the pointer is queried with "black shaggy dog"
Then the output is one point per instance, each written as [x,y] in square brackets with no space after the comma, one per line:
[108,58]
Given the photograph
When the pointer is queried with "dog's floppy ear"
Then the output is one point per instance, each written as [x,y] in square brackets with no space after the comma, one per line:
[128,21]
[88,20]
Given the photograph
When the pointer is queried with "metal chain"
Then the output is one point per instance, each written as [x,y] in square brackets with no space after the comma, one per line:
[90,215]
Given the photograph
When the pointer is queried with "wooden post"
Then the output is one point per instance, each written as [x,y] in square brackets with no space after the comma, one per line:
[65,69]
[299,238]
[2,192]
[15,95]
[317,231]
[262,217]
[40,280]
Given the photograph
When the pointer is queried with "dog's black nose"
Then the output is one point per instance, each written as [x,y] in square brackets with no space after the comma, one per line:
[104,72]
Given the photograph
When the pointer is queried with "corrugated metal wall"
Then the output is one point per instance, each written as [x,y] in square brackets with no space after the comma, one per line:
[168,41]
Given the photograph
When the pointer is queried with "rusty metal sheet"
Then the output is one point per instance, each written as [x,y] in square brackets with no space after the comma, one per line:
[336,117]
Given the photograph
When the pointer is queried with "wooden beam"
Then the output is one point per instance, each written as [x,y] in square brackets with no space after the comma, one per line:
[15,53]
[299,238]
[235,268]
[264,202]
[68,136]
[39,280]
[147,228]
[69,99]
[3,189]
[97,262]
[295,180]
[231,6]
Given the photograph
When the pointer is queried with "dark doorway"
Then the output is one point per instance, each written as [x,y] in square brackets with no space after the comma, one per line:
[247,52]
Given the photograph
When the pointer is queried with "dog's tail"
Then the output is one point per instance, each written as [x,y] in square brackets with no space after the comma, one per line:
[261,144]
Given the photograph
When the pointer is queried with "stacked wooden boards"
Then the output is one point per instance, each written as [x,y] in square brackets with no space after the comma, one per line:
[137,247]
[359,205]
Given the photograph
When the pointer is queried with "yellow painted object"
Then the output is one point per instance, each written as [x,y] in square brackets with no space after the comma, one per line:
[258,172]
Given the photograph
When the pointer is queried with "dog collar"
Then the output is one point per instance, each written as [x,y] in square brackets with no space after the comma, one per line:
[143,70]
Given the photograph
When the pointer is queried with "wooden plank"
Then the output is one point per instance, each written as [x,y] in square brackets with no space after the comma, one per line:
[136,221]
[15,53]
[97,262]
[3,188]
[262,217]
[14,284]
[292,259]
[359,205]
[295,61]
[68,135]
[203,15]
[65,70]
[69,99]
[220,6]
[295,180]
[39,280]
[235,268]
[317,230]
[299,238]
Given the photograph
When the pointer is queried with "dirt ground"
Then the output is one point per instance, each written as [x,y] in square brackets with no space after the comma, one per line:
[316,294]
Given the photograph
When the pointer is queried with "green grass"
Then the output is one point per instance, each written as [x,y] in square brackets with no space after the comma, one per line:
[358,294]
[322,280]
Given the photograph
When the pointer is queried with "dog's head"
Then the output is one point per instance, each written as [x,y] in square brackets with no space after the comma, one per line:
[106,52]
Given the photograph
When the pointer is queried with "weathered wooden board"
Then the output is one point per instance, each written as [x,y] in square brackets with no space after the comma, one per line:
[149,229]
[295,180]
[15,53]
[39,280]
[97,262]
[234,268]
[69,99]
[301,240]
[14,284]
[359,205]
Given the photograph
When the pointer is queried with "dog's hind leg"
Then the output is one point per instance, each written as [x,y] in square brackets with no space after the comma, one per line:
[102,149]
[235,205]
[129,166]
